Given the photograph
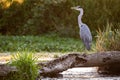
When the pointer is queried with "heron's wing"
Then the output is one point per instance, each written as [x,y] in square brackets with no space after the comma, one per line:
[85,35]
[85,32]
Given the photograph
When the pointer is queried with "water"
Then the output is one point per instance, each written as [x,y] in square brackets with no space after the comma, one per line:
[89,73]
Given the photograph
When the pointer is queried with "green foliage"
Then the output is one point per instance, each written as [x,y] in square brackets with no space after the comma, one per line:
[50,43]
[13,18]
[25,62]
[52,16]
[41,16]
[108,40]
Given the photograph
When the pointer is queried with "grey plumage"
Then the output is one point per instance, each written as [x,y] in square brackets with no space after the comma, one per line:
[85,33]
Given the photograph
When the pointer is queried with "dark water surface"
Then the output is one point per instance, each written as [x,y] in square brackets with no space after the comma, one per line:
[89,73]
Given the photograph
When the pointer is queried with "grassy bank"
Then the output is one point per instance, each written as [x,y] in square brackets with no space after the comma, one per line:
[47,43]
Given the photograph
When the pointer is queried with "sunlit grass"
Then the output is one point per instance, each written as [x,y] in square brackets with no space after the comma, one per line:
[7,3]
[19,1]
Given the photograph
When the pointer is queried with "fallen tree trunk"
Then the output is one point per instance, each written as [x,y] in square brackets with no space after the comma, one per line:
[105,61]
[100,59]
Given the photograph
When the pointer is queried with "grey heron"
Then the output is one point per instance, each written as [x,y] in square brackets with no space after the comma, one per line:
[85,33]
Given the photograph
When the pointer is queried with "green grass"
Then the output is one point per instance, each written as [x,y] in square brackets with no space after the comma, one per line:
[25,63]
[47,43]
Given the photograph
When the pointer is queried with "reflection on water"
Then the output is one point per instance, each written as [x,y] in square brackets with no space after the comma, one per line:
[89,73]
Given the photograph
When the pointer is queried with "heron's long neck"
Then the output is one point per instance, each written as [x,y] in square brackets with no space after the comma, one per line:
[80,17]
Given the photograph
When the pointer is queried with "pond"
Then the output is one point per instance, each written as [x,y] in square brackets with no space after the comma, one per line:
[89,73]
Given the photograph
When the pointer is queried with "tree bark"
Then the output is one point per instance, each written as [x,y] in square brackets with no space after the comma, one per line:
[99,59]
[6,69]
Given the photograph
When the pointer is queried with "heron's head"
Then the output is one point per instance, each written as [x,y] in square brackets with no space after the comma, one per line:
[78,8]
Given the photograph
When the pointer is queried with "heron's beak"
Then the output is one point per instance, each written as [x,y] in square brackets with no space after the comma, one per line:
[73,7]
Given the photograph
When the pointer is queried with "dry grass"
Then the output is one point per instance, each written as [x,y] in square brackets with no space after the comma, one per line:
[108,40]
[43,56]
[4,57]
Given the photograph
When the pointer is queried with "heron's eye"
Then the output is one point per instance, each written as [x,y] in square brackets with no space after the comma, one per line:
[79,7]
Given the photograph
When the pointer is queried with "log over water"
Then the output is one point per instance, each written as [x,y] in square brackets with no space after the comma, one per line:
[106,61]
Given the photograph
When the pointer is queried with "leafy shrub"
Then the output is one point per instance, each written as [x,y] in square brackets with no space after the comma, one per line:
[35,17]
[47,17]
[26,64]
[58,17]
[108,40]
[13,18]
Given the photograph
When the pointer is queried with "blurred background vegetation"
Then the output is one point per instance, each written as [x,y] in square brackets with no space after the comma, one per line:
[36,17]
[51,26]
[39,17]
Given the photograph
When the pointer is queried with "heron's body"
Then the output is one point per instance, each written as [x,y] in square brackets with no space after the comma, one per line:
[85,33]
[85,36]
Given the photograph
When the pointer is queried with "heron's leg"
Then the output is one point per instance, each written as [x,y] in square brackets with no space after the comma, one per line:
[84,48]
